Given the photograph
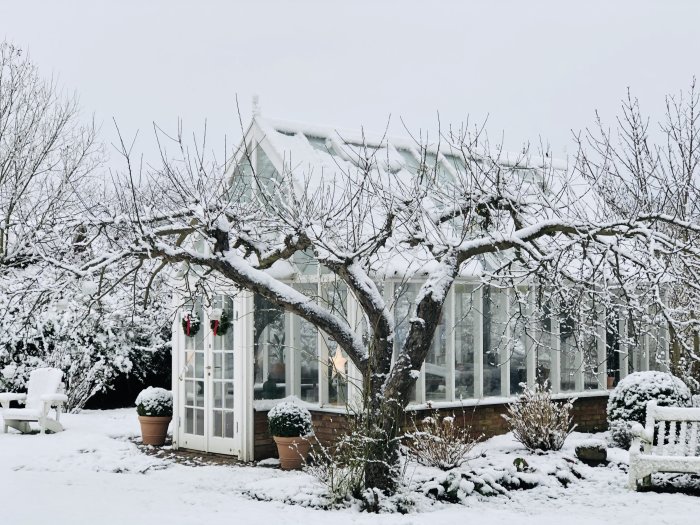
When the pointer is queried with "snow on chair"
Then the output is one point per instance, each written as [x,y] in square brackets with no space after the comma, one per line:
[44,391]
[676,448]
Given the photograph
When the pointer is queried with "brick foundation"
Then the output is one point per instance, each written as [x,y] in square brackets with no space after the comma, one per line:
[588,413]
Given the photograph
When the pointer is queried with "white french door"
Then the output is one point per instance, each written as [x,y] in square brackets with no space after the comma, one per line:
[207,419]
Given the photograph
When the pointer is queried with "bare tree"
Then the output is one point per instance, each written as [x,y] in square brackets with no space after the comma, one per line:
[46,156]
[542,228]
[652,169]
[93,328]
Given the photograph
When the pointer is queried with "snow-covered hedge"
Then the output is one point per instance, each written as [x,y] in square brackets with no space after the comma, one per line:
[289,420]
[627,403]
[155,402]
[93,343]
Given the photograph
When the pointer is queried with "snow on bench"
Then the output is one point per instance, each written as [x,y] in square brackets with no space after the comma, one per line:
[675,449]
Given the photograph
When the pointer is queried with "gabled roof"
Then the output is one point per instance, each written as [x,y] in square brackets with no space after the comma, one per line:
[318,153]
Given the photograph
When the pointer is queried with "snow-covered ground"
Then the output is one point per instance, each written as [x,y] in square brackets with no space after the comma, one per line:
[93,473]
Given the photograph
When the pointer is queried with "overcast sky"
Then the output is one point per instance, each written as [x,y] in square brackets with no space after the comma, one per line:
[537,68]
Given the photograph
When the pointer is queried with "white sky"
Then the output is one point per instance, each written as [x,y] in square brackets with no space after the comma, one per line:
[538,68]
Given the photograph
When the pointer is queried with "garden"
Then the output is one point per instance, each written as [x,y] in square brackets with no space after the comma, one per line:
[446,471]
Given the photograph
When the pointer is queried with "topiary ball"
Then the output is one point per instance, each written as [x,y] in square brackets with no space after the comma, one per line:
[627,404]
[289,420]
[155,402]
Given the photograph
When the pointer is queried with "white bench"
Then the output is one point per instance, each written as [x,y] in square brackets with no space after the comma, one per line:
[677,448]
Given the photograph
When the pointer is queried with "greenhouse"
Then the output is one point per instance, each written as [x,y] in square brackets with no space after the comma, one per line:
[235,353]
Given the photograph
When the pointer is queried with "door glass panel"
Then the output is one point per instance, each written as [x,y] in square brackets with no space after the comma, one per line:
[228,394]
[218,368]
[229,425]
[199,393]
[189,420]
[199,427]
[218,395]
[218,427]
[189,393]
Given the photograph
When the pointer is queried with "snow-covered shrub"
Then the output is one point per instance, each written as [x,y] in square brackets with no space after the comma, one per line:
[539,422]
[436,441]
[94,337]
[289,420]
[340,467]
[627,404]
[155,402]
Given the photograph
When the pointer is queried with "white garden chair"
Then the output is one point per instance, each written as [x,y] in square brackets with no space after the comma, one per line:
[44,391]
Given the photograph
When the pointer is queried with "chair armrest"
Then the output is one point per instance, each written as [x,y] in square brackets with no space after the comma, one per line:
[54,399]
[9,396]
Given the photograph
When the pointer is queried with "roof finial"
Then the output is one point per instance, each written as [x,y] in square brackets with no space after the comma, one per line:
[256,106]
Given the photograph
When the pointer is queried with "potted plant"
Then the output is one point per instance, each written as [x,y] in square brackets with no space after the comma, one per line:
[155,410]
[290,426]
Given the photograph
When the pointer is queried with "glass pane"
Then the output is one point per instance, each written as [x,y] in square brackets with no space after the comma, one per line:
[228,365]
[520,341]
[337,375]
[218,426]
[189,421]
[307,350]
[199,426]
[404,307]
[269,350]
[495,337]
[218,395]
[436,365]
[590,363]
[189,364]
[228,395]
[218,365]
[567,351]
[229,424]
[543,349]
[464,342]
[199,365]
[199,393]
[189,393]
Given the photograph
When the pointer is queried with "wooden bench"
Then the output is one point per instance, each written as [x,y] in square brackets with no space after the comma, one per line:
[668,443]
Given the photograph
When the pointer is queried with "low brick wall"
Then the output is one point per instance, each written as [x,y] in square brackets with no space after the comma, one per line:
[486,419]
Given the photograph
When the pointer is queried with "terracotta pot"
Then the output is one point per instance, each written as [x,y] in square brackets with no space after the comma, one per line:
[611,382]
[292,451]
[154,429]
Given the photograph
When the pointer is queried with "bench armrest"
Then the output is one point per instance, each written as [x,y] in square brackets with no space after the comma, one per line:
[639,432]
[6,397]
[54,399]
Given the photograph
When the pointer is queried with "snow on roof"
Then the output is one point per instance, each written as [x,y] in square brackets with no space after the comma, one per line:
[316,155]
[328,147]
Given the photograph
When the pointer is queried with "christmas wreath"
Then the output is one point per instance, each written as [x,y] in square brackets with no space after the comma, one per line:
[190,324]
[221,325]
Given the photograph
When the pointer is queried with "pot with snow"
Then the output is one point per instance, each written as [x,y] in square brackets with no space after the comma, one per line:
[155,410]
[290,426]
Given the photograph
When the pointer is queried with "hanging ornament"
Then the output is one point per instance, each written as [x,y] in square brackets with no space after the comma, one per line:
[190,324]
[220,321]
[338,363]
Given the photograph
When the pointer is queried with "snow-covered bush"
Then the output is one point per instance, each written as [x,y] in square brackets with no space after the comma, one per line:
[94,332]
[155,402]
[289,420]
[436,441]
[538,422]
[627,404]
